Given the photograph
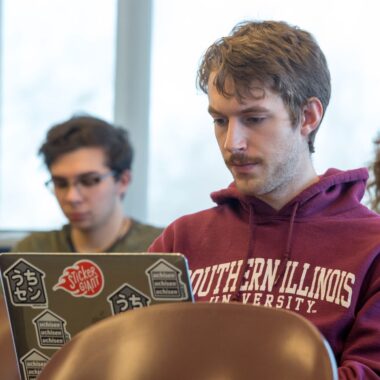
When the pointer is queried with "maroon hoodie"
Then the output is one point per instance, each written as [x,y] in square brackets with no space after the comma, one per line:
[317,256]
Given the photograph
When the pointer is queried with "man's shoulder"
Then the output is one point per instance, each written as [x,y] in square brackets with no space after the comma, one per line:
[205,217]
[142,232]
[43,241]
[364,216]
[138,238]
[138,227]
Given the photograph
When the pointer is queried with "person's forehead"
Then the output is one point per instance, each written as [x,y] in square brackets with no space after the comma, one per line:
[254,90]
[256,99]
[79,161]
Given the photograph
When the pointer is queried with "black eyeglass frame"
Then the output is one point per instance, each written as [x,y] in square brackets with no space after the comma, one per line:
[79,180]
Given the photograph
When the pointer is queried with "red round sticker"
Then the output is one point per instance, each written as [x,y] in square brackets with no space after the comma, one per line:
[83,279]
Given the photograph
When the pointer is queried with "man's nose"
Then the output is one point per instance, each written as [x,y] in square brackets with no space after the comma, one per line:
[236,139]
[72,193]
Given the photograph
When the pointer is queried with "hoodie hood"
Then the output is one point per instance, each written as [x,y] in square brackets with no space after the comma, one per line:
[336,192]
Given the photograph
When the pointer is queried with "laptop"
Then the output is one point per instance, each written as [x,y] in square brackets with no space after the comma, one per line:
[52,296]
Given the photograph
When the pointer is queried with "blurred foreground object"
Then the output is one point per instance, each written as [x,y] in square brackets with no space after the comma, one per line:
[196,341]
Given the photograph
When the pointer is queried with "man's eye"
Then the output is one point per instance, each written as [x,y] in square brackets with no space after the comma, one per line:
[220,122]
[89,181]
[254,120]
[60,183]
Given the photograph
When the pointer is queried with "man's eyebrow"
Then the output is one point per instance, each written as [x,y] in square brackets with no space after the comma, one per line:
[212,110]
[78,175]
[254,109]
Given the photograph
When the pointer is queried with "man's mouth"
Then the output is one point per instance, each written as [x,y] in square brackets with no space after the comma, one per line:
[243,168]
[77,216]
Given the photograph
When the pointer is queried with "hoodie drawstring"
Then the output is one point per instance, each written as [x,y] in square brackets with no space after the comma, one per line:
[286,257]
[252,227]
[252,238]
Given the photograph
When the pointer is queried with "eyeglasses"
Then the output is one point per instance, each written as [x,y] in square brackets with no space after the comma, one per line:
[83,182]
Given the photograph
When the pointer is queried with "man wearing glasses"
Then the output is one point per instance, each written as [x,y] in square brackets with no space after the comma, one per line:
[90,165]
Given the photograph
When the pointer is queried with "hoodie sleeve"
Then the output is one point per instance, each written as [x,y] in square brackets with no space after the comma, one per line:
[361,355]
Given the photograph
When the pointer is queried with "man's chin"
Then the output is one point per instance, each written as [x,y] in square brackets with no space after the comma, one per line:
[82,225]
[249,188]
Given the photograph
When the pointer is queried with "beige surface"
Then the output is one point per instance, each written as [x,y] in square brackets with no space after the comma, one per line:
[198,342]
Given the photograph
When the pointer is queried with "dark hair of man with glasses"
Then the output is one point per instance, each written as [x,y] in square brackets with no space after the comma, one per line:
[90,165]
[86,131]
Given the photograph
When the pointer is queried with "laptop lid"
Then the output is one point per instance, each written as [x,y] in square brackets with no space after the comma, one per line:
[52,296]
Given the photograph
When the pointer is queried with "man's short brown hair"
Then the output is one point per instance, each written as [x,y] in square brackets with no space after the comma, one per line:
[275,54]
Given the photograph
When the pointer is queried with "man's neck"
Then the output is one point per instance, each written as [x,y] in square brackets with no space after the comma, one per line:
[282,196]
[101,238]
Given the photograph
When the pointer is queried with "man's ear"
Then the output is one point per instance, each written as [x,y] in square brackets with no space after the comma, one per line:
[124,180]
[312,114]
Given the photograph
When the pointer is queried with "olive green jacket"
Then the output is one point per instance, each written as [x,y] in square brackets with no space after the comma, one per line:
[137,239]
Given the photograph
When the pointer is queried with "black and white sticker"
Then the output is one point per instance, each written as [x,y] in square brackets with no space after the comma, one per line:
[33,362]
[51,330]
[126,297]
[165,282]
[26,284]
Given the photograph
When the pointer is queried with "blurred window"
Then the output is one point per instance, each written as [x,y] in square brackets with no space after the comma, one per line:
[57,59]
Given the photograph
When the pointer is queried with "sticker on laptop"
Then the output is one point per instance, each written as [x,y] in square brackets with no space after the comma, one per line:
[83,279]
[33,362]
[26,284]
[51,330]
[126,297]
[165,282]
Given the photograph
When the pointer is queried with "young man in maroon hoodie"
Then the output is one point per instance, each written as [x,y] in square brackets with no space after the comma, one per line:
[281,235]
